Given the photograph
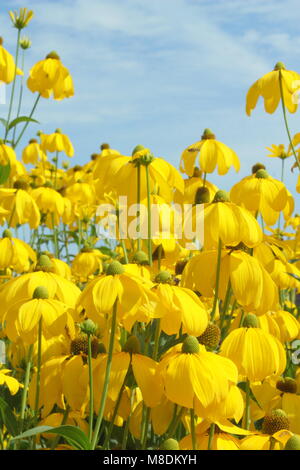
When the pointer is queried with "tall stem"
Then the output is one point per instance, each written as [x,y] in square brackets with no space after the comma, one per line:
[247,409]
[27,123]
[13,85]
[25,389]
[38,374]
[211,436]
[149,216]
[285,119]
[20,95]
[107,376]
[193,431]
[219,256]
[91,414]
[138,168]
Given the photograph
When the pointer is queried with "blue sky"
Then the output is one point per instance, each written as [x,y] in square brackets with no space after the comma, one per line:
[158,72]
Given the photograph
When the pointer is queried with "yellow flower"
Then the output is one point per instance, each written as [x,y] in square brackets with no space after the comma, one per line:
[33,153]
[195,378]
[15,253]
[12,384]
[278,151]
[119,284]
[49,202]
[23,317]
[87,263]
[212,153]
[50,76]
[260,192]
[257,354]
[22,206]
[269,88]
[7,65]
[21,19]
[180,307]
[57,142]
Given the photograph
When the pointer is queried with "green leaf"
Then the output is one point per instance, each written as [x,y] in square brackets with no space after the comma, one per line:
[4,173]
[16,121]
[74,436]
[294,276]
[8,418]
[4,122]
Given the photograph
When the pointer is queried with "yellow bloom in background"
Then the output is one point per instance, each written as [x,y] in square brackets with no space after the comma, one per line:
[7,65]
[8,156]
[12,384]
[50,77]
[50,202]
[279,151]
[57,142]
[268,87]
[15,253]
[33,153]
[21,19]
[23,209]
[212,154]
[86,263]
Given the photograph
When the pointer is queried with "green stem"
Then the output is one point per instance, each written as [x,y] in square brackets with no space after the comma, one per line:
[149,216]
[91,415]
[55,240]
[193,430]
[175,422]
[63,422]
[204,179]
[116,409]
[145,425]
[247,409]
[159,253]
[38,374]
[126,430]
[56,169]
[219,256]
[25,389]
[27,123]
[139,241]
[226,304]
[156,339]
[285,119]
[107,377]
[211,436]
[13,85]
[20,95]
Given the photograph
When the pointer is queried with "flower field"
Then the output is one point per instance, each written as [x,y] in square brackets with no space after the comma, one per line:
[142,306]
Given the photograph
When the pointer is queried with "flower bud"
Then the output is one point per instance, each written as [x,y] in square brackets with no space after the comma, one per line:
[262,174]
[133,345]
[88,327]
[115,267]
[163,277]
[169,444]
[221,196]
[293,443]
[256,167]
[53,55]
[208,134]
[202,196]
[251,321]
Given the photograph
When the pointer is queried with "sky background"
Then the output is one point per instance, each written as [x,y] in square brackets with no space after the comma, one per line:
[158,72]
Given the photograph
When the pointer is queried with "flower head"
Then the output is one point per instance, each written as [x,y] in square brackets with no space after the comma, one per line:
[21,19]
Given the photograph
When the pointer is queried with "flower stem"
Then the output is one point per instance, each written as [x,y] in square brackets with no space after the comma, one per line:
[27,123]
[149,216]
[193,431]
[107,377]
[285,119]
[138,168]
[38,374]
[211,436]
[20,95]
[91,415]
[217,280]
[247,409]
[25,389]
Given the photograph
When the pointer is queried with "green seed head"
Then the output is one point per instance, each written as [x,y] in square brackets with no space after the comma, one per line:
[53,55]
[293,443]
[140,257]
[169,444]
[40,292]
[202,196]
[190,345]
[133,345]
[115,267]
[104,146]
[251,321]
[262,174]
[88,327]
[256,167]
[279,66]
[208,134]
[44,264]
[163,277]
[136,149]
[221,196]
[7,233]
